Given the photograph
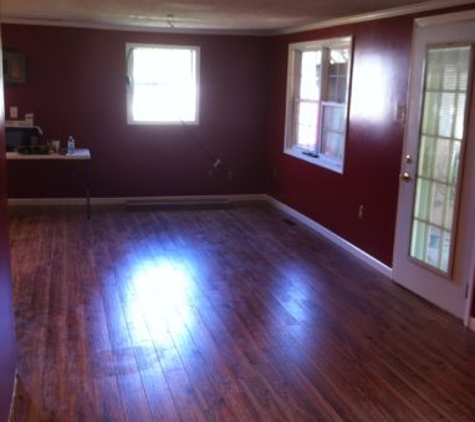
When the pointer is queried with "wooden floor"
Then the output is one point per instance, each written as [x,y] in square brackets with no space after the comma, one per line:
[221,315]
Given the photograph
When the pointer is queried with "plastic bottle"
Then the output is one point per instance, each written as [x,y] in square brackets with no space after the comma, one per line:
[71,145]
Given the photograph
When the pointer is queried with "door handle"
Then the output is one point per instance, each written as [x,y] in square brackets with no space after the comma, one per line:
[405,177]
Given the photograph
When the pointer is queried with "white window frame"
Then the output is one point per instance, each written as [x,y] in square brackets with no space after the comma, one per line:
[129,63]
[293,85]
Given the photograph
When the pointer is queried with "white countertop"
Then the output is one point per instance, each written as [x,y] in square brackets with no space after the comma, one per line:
[79,154]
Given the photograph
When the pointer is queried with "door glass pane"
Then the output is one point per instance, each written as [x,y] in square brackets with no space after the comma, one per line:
[421,210]
[454,162]
[426,156]
[434,245]
[419,238]
[440,144]
[441,170]
[437,206]
[460,116]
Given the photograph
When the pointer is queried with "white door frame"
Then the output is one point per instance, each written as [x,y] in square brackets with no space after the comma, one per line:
[469,173]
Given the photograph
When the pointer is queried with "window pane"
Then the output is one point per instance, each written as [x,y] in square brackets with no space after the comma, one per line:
[421,210]
[168,108]
[439,192]
[333,130]
[332,145]
[441,170]
[310,75]
[307,118]
[339,55]
[419,236]
[426,156]
[446,244]
[449,68]
[430,120]
[164,84]
[449,216]
[434,246]
[337,75]
[454,162]
[446,115]
[333,118]
[460,116]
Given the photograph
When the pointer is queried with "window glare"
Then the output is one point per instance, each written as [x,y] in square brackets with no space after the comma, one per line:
[164,84]
[307,118]
[310,78]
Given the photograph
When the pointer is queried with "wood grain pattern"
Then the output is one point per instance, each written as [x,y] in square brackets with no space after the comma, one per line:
[221,315]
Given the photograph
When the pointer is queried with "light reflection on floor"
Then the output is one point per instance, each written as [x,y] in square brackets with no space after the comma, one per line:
[161,304]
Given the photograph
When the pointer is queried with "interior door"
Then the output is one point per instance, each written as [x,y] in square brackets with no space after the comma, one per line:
[434,246]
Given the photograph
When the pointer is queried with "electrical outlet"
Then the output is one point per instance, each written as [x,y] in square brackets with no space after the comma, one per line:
[360,212]
[13,112]
[30,118]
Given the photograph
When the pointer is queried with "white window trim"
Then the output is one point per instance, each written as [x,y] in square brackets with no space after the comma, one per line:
[289,147]
[128,63]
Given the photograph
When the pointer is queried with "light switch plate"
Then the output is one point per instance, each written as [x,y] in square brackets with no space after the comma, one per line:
[13,112]
[400,115]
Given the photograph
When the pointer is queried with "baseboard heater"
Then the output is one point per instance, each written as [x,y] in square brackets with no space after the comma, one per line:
[177,204]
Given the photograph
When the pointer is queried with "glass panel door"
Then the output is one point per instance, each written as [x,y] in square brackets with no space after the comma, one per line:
[442,133]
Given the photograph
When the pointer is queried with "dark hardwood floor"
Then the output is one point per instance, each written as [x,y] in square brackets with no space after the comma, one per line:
[221,315]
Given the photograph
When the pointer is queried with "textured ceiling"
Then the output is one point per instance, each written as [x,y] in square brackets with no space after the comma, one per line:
[232,15]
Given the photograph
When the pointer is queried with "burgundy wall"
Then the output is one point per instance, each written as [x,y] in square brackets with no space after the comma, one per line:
[374,140]
[76,85]
[7,336]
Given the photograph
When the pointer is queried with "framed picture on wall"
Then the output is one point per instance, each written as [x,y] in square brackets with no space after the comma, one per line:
[14,68]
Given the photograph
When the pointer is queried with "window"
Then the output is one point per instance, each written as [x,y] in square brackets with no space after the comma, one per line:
[317,101]
[162,84]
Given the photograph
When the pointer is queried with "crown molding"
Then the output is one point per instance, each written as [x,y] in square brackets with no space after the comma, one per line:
[381,14]
[446,18]
[115,26]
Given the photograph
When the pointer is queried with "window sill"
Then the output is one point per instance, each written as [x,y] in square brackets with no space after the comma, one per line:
[318,161]
[162,122]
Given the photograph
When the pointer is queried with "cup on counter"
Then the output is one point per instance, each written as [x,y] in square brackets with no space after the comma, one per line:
[55,146]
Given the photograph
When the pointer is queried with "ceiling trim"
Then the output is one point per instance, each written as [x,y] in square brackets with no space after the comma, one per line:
[435,20]
[365,17]
[381,14]
[111,26]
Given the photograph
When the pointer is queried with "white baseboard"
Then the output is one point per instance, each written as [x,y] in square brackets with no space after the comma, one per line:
[125,200]
[46,201]
[14,395]
[328,234]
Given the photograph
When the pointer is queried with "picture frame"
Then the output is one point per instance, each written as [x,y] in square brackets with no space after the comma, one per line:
[14,68]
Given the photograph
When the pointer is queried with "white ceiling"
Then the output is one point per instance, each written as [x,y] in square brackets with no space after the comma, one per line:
[222,15]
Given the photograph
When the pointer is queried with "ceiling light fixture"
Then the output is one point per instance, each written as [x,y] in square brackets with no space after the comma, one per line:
[170,21]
